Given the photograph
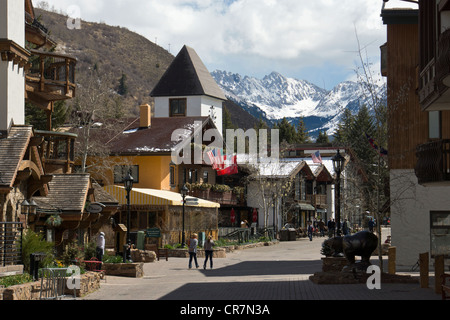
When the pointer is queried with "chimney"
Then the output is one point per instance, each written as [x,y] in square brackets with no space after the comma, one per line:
[145,116]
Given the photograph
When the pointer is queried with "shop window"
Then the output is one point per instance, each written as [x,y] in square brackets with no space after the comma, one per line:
[120,172]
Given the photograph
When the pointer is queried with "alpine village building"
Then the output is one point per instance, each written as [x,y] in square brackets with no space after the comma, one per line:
[38,189]
[416,62]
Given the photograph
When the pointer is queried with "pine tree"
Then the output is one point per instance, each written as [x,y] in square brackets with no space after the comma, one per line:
[322,137]
[302,133]
[226,122]
[123,88]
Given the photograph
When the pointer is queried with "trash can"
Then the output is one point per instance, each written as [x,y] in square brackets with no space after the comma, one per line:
[35,258]
[140,240]
[292,234]
[284,235]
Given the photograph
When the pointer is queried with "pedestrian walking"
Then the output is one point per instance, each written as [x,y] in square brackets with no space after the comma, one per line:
[100,250]
[345,228]
[321,228]
[208,252]
[371,225]
[331,227]
[310,231]
[193,242]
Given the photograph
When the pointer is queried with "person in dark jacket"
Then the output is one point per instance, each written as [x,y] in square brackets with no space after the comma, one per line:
[209,244]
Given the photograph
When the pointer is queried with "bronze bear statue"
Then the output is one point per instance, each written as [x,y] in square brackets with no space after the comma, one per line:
[361,244]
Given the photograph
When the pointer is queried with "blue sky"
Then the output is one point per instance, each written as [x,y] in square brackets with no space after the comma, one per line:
[308,40]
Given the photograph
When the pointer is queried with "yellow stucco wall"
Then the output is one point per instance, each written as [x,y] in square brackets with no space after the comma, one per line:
[154,171]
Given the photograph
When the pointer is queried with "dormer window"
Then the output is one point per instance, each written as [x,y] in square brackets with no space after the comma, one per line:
[177,107]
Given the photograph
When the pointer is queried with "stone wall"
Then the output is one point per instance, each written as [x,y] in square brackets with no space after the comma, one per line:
[134,270]
[89,282]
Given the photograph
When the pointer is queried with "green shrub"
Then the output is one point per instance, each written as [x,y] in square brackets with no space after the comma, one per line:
[72,253]
[112,259]
[220,188]
[32,243]
[15,280]
[326,250]
[90,250]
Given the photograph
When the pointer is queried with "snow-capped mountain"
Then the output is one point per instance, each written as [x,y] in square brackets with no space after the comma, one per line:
[275,97]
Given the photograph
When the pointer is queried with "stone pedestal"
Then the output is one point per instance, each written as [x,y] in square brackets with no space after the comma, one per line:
[333,264]
[134,270]
[335,270]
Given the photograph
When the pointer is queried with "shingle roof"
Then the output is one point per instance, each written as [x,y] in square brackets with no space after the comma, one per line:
[67,192]
[12,150]
[156,138]
[187,76]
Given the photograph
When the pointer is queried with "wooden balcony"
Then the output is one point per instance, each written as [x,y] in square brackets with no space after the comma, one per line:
[433,163]
[223,198]
[317,200]
[57,151]
[51,77]
[434,82]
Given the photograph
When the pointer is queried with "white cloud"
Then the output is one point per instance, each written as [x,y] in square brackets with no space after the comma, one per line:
[290,34]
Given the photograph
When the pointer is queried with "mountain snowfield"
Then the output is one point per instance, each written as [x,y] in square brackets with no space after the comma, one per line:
[275,97]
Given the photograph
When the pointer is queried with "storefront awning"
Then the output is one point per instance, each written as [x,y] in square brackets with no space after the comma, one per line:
[305,207]
[153,197]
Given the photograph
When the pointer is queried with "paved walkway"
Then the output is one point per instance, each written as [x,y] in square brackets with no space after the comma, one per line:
[277,272]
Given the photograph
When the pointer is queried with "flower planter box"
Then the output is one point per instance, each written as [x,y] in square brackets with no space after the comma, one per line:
[133,270]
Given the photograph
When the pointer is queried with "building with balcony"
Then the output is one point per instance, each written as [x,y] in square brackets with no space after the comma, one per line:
[419,125]
[36,166]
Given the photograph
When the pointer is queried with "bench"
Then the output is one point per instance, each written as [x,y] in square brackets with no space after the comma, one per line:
[160,252]
[95,266]
[445,287]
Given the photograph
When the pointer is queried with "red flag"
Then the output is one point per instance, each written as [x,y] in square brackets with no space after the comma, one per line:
[255,215]
[232,216]
[230,166]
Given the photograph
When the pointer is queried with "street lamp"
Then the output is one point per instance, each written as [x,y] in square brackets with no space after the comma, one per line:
[128,184]
[338,166]
[184,191]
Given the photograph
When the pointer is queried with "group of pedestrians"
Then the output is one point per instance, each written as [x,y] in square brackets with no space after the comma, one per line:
[208,247]
[319,226]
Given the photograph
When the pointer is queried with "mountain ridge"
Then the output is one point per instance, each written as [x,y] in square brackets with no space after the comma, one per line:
[275,97]
[118,51]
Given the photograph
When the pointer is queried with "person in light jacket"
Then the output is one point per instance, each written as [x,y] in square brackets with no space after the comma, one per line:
[209,244]
[193,250]
[100,246]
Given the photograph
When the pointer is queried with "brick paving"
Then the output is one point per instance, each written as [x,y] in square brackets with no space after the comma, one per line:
[278,272]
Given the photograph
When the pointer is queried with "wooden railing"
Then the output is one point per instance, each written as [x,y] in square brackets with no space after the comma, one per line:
[55,74]
[223,198]
[435,76]
[433,162]
[10,243]
[57,151]
[317,199]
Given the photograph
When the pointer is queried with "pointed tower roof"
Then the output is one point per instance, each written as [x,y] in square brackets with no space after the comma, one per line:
[187,76]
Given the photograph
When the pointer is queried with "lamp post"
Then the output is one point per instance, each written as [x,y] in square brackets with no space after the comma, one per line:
[338,166]
[128,184]
[184,190]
